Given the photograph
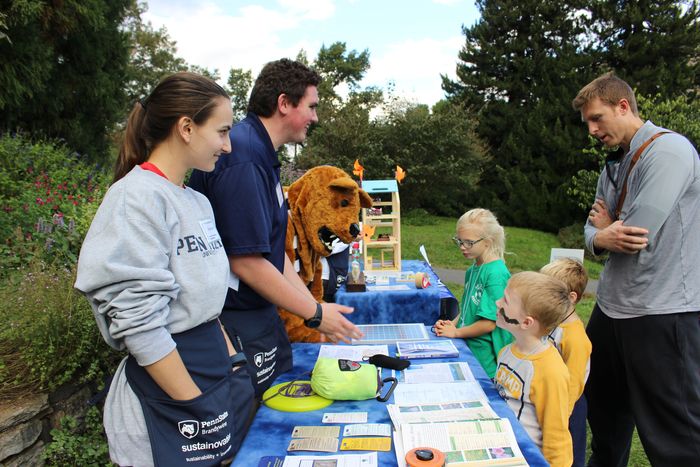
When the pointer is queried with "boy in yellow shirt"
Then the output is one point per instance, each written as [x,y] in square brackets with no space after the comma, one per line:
[531,375]
[575,348]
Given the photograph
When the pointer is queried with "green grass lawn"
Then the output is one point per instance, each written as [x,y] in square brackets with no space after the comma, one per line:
[527,250]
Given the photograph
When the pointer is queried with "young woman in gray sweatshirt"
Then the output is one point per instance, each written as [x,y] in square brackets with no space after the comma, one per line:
[155,272]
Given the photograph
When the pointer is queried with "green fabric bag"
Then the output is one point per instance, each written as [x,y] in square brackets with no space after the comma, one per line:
[340,379]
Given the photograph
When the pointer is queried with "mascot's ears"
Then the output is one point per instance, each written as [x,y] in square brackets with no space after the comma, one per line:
[365,199]
[346,183]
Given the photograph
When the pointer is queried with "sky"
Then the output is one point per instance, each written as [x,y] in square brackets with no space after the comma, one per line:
[410,42]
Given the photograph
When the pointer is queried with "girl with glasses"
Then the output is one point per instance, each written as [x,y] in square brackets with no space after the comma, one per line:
[481,239]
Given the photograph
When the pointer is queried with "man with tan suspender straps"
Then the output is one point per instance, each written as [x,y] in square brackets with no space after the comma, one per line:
[645,327]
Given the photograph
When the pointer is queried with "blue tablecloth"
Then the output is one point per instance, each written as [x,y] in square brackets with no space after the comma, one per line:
[271,430]
[397,306]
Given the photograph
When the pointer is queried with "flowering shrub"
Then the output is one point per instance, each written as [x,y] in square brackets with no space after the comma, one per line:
[47,196]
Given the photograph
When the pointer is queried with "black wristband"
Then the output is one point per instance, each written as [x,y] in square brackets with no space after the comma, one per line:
[315,320]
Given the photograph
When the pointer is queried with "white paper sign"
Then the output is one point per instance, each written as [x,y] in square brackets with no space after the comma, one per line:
[573,253]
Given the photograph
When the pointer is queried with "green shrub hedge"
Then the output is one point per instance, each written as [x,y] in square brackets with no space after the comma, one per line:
[48,335]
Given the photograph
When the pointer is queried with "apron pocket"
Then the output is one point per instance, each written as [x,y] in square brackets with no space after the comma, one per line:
[203,431]
[265,344]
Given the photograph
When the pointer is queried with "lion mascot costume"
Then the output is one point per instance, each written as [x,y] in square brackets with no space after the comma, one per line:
[324,205]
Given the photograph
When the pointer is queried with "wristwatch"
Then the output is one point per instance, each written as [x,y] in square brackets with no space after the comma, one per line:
[315,320]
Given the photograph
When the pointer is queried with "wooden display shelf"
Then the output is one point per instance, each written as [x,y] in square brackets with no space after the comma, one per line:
[379,243]
[385,195]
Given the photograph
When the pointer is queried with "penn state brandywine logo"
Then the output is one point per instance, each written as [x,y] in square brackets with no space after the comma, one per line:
[188,428]
[259,358]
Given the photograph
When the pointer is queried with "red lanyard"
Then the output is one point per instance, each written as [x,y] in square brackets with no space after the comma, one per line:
[153,168]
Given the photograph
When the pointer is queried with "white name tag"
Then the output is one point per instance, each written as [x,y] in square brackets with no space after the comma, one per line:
[209,230]
[280,195]
[233,281]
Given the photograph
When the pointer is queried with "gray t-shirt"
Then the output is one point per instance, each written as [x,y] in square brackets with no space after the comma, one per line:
[663,196]
[152,264]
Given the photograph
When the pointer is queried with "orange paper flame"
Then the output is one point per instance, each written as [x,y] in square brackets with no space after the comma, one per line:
[358,169]
[400,174]
[367,231]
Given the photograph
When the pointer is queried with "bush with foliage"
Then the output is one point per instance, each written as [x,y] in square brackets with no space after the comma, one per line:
[417,216]
[48,335]
[48,196]
[442,156]
[572,236]
[76,443]
[289,172]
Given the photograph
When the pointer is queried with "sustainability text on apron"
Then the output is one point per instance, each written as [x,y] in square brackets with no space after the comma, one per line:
[208,429]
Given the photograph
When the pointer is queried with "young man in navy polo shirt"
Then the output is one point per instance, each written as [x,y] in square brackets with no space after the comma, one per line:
[251,217]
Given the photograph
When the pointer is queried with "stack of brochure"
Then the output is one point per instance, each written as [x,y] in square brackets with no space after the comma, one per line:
[452,414]
[428,349]
[466,444]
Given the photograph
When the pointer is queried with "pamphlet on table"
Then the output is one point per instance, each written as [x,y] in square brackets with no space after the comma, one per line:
[367,429]
[458,411]
[356,353]
[430,393]
[344,460]
[428,349]
[453,372]
[466,444]
[344,417]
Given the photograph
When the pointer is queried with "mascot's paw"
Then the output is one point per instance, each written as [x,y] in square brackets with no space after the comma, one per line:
[296,330]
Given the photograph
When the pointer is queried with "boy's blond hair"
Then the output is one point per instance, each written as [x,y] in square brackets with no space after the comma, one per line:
[609,89]
[492,230]
[571,272]
[544,298]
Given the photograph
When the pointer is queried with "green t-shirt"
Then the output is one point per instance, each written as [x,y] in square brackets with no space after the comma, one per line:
[483,285]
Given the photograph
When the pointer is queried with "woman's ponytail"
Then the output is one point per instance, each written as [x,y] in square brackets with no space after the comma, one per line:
[133,150]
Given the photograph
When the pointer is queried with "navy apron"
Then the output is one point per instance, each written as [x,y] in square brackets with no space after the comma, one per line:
[261,336]
[208,429]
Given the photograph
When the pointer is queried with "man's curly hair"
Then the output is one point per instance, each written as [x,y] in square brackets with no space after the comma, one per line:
[282,76]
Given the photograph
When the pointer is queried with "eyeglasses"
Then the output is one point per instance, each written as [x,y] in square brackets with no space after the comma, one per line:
[466,243]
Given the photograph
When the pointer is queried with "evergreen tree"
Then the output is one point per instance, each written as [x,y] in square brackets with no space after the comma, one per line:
[62,70]
[653,45]
[522,63]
